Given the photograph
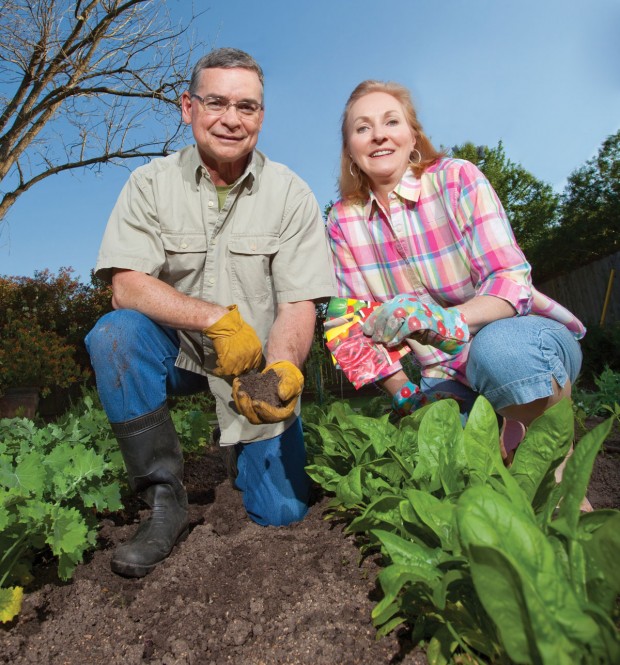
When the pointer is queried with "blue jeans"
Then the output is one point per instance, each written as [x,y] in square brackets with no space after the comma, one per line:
[134,362]
[514,361]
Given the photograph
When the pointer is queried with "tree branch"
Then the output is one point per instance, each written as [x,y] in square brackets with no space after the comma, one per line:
[76,73]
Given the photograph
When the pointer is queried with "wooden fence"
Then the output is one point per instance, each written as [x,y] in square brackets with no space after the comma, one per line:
[584,290]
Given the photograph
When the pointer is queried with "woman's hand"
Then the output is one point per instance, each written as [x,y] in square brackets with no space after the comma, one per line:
[405,316]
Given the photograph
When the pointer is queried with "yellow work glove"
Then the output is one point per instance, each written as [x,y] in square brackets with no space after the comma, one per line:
[236,344]
[259,412]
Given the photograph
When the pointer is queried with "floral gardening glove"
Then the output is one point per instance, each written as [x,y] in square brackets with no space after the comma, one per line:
[257,411]
[236,344]
[410,398]
[405,316]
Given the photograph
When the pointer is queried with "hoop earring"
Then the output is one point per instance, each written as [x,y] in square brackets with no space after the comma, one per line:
[354,175]
[412,160]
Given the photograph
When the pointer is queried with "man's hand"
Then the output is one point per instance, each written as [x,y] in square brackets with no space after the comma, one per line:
[236,344]
[405,316]
[258,412]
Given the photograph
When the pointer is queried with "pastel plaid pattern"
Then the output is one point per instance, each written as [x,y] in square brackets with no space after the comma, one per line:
[446,240]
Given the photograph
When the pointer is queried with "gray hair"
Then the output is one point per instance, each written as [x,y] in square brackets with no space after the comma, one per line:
[225,58]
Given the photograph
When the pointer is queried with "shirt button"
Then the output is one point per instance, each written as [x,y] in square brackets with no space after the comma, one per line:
[211,204]
[184,245]
[211,280]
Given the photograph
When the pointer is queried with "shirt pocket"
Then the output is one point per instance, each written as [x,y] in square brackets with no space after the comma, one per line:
[185,255]
[250,263]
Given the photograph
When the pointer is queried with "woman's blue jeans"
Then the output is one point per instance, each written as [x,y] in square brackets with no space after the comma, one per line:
[514,361]
[134,362]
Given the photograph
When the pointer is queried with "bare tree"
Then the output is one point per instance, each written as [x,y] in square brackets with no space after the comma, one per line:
[83,83]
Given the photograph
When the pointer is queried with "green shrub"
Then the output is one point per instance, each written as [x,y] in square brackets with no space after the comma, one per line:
[43,322]
[33,357]
[599,402]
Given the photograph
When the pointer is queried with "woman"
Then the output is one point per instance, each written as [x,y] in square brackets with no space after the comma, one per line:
[427,236]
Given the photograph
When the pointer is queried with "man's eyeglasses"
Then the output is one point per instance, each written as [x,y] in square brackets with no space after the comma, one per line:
[219,106]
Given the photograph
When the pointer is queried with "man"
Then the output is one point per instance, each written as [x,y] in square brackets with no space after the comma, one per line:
[215,255]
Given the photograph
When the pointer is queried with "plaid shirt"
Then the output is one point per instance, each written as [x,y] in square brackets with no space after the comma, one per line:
[446,240]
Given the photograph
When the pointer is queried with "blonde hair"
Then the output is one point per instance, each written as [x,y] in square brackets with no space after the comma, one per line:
[357,187]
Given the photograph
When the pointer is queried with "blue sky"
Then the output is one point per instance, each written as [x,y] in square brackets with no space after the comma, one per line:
[543,76]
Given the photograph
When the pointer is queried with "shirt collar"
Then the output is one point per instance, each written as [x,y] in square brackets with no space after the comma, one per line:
[196,168]
[408,188]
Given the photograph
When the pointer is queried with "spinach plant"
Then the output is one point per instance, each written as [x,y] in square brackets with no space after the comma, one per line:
[484,563]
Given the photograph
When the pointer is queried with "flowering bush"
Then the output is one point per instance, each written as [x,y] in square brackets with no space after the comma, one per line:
[43,322]
[30,356]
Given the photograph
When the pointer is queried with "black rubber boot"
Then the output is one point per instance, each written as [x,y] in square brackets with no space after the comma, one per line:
[154,463]
[230,455]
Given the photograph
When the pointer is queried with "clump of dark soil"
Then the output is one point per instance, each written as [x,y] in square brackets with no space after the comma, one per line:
[233,592]
[262,386]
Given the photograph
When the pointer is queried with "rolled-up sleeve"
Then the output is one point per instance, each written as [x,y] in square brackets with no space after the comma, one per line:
[498,266]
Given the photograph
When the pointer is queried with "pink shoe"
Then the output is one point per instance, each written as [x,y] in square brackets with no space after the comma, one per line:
[511,435]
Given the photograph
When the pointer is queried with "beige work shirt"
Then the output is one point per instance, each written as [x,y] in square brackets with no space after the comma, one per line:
[267,245]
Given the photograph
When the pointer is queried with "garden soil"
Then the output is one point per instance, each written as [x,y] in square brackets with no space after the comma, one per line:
[232,592]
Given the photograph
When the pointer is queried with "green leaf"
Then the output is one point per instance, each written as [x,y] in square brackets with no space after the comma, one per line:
[577,476]
[400,550]
[378,430]
[452,462]
[546,443]
[500,589]
[481,441]
[67,563]
[382,513]
[349,489]
[30,474]
[437,430]
[103,497]
[5,517]
[394,577]
[441,647]
[68,532]
[325,476]
[521,584]
[388,469]
[460,576]
[74,464]
[60,459]
[604,548]
[35,514]
[437,515]
[404,473]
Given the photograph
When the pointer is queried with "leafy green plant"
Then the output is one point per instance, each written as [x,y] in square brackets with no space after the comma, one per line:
[194,419]
[479,559]
[598,402]
[53,482]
